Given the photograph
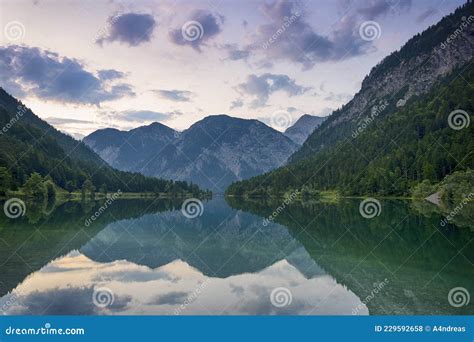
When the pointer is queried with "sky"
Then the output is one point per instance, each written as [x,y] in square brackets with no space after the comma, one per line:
[85,65]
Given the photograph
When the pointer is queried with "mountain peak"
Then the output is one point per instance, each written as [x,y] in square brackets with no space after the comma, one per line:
[303,127]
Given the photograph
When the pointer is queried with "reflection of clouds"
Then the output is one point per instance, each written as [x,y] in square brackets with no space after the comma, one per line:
[140,290]
[139,276]
[172,298]
[238,290]
[63,301]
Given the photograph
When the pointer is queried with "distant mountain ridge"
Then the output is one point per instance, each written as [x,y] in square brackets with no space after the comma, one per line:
[30,144]
[212,153]
[303,127]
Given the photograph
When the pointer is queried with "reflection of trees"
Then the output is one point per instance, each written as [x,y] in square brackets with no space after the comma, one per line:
[30,242]
[460,213]
[419,258]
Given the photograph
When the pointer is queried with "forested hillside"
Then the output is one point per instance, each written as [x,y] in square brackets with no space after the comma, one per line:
[30,145]
[409,122]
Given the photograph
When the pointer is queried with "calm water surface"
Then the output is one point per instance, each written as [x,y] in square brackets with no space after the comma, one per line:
[145,257]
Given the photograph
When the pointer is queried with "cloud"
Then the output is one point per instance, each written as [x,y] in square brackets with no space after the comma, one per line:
[288,35]
[372,9]
[234,53]
[129,28]
[57,301]
[110,74]
[175,95]
[55,121]
[171,298]
[145,115]
[263,86]
[45,74]
[201,27]
[426,14]
[237,103]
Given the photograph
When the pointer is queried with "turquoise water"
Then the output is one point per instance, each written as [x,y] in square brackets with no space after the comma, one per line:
[146,257]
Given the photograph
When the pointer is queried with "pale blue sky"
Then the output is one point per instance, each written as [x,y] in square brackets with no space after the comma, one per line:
[84,65]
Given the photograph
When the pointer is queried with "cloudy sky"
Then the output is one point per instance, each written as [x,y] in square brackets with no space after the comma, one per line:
[84,65]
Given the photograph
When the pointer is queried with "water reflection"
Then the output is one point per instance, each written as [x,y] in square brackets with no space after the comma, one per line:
[156,261]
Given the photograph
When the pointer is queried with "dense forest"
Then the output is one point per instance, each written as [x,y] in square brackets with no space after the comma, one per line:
[395,133]
[36,157]
[403,147]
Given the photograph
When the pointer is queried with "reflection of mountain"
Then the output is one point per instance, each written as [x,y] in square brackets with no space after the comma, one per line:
[26,247]
[220,243]
[421,260]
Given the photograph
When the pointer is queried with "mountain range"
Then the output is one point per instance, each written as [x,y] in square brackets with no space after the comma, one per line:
[212,153]
[408,123]
[30,144]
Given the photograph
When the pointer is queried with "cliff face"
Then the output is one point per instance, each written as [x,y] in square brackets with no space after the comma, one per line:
[212,153]
[303,127]
[407,73]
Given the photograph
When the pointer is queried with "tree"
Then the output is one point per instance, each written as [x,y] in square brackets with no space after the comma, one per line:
[35,187]
[88,189]
[103,189]
[50,190]
[5,181]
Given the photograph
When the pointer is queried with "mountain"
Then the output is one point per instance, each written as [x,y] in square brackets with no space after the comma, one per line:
[212,153]
[125,150]
[303,127]
[397,130]
[30,144]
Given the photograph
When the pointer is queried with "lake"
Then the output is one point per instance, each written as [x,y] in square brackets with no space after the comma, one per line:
[144,257]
